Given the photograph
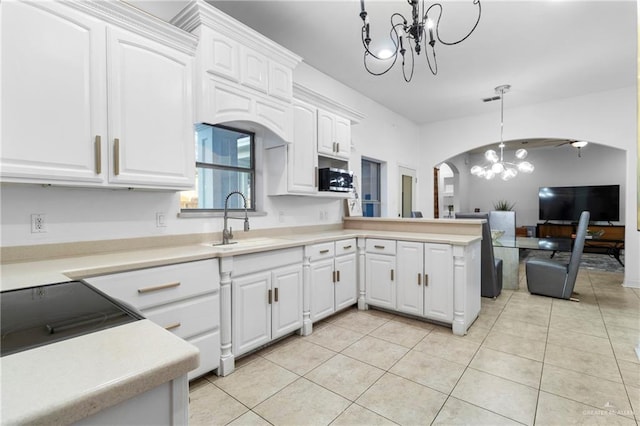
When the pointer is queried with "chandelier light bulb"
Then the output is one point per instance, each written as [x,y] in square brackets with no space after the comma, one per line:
[477,170]
[489,174]
[509,174]
[521,154]
[497,168]
[491,155]
[526,167]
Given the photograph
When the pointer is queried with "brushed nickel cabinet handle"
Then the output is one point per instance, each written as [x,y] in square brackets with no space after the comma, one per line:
[324,251]
[333,276]
[269,296]
[334,147]
[116,156]
[379,247]
[172,326]
[98,154]
[315,178]
[338,276]
[275,294]
[392,275]
[347,247]
[158,287]
[419,278]
[426,280]
[338,147]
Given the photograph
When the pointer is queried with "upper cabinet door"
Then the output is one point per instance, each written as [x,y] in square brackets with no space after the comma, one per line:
[326,140]
[254,69]
[280,81]
[221,56]
[150,113]
[53,94]
[343,137]
[303,160]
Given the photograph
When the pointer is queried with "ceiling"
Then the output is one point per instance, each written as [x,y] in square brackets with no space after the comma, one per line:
[545,49]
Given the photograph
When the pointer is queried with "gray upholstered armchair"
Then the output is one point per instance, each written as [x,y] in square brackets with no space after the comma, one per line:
[549,278]
[491,268]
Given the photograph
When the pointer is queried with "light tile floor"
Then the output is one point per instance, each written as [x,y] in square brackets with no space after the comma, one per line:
[526,360]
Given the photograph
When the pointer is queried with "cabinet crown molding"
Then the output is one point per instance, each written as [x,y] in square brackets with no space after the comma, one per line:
[135,20]
[303,93]
[198,13]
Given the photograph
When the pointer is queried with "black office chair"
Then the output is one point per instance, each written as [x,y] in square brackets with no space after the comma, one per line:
[491,268]
[554,279]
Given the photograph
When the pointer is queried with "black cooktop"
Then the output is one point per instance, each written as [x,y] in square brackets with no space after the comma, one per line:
[36,316]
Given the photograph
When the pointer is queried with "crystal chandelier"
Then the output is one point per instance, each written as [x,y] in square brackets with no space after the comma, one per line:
[496,166]
[407,36]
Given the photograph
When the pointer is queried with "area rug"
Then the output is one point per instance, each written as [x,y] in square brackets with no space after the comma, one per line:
[592,261]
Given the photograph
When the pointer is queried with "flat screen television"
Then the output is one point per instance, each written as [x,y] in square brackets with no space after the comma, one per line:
[567,202]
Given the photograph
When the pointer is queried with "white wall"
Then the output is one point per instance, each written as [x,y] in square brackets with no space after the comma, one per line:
[607,118]
[555,166]
[77,214]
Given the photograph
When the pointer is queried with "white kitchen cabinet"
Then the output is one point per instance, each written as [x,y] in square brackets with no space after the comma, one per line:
[150,112]
[438,282]
[266,297]
[53,84]
[292,168]
[334,135]
[333,277]
[254,69]
[183,298]
[380,266]
[112,107]
[425,280]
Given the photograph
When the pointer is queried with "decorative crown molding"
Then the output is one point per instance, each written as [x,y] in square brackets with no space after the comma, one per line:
[199,12]
[135,20]
[305,94]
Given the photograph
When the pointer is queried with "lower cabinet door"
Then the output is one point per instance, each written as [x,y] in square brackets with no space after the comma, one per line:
[410,287]
[251,312]
[438,290]
[321,287]
[346,287]
[379,279]
[286,307]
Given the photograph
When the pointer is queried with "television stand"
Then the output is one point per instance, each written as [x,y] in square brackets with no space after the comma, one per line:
[609,242]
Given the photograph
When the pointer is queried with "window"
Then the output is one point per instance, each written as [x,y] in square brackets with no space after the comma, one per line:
[370,188]
[224,163]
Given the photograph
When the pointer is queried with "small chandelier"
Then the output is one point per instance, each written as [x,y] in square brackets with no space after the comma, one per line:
[410,36]
[496,166]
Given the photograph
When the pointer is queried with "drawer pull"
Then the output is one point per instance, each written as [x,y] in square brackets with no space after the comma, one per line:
[172,326]
[426,280]
[269,296]
[324,251]
[392,275]
[419,278]
[379,247]
[98,154]
[275,294]
[347,247]
[116,156]
[158,287]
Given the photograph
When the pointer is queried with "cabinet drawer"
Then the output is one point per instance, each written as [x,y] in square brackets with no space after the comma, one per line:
[156,286]
[380,246]
[320,251]
[209,346]
[346,246]
[189,317]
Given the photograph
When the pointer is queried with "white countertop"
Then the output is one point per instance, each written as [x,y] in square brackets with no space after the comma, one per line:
[27,274]
[69,380]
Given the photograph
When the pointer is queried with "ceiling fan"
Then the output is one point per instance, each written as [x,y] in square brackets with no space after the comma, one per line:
[576,144]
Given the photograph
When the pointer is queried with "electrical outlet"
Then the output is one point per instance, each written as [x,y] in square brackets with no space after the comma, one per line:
[38,223]
[160,220]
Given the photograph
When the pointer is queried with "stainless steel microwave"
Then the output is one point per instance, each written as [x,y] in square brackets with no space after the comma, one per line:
[332,179]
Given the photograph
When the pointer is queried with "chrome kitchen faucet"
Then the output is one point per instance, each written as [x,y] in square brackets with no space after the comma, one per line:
[227,234]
